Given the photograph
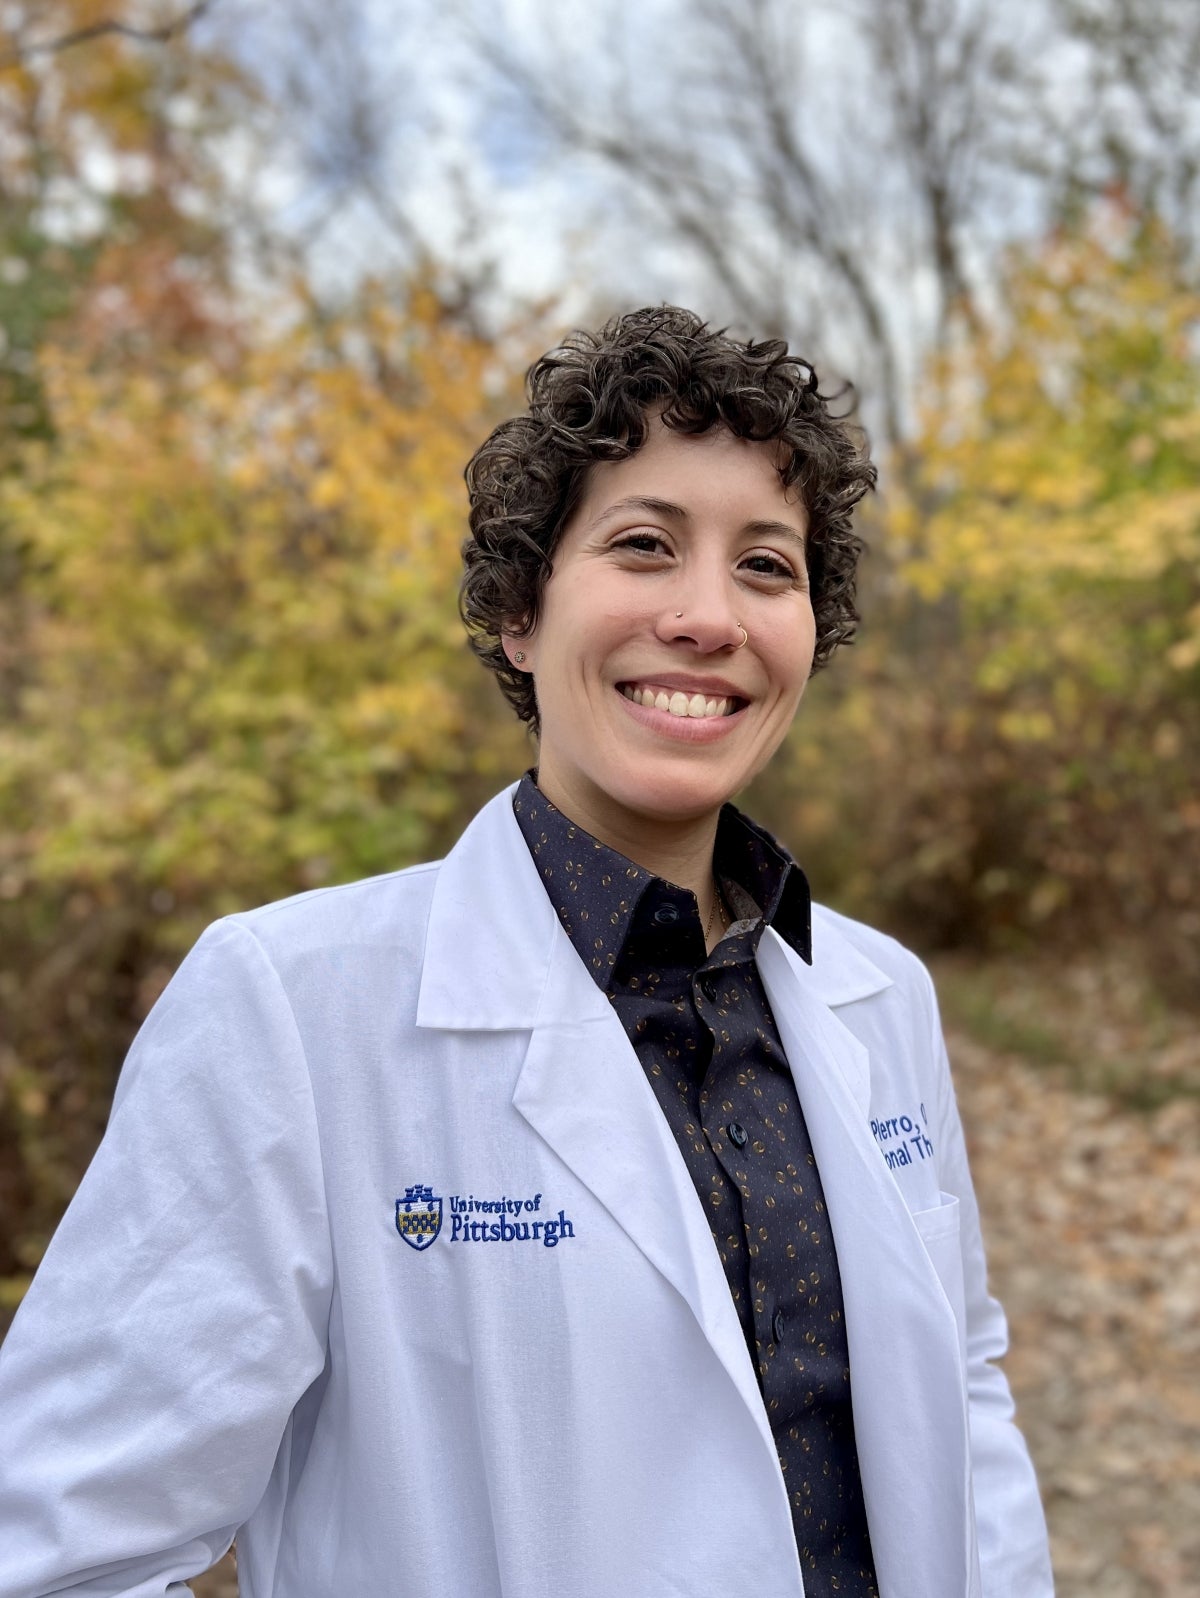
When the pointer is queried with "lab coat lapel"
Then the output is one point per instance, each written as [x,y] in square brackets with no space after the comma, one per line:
[583,1090]
[909,1400]
[496,958]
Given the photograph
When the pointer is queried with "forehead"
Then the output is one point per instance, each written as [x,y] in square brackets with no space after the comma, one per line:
[704,475]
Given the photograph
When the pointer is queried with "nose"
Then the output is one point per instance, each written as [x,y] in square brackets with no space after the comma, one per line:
[701,613]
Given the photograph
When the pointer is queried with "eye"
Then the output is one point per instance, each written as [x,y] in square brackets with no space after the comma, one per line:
[765,563]
[642,542]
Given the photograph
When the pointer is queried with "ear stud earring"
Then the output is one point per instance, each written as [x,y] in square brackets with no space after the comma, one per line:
[518,657]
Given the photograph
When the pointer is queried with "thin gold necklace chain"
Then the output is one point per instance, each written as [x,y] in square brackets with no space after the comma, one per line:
[717,902]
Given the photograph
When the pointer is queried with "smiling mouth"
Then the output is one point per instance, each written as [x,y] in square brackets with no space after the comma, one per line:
[675,702]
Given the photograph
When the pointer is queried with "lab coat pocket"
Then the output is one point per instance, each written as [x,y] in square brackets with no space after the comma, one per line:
[938,1229]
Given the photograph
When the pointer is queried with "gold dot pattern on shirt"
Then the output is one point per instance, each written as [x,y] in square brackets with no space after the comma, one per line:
[703,1030]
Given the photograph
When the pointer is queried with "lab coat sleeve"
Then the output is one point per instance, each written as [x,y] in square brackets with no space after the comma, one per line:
[181,1309]
[1014,1553]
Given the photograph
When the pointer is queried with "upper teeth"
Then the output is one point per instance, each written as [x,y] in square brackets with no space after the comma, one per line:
[677,703]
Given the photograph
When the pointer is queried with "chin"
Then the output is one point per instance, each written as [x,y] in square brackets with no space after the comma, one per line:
[670,795]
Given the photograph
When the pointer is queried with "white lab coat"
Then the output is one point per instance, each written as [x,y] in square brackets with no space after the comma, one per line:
[231,1334]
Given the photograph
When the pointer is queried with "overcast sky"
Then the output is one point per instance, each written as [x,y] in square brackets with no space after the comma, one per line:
[393,123]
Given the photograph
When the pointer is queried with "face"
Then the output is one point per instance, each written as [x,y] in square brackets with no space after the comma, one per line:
[651,704]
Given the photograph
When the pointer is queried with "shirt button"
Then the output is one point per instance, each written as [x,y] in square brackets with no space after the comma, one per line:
[737,1134]
[666,915]
[708,987]
[777,1326]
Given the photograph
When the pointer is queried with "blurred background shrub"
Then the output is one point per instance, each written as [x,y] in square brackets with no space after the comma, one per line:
[249,335]
[1013,758]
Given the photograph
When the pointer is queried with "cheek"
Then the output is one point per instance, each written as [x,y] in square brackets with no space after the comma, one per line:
[596,615]
[790,662]
[806,643]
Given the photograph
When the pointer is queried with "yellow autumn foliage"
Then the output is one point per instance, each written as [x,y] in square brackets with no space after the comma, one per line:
[248,672]
[1013,751]
[1058,496]
[243,672]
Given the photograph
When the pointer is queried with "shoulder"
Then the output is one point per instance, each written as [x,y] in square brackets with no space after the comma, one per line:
[386,913]
[883,993]
[846,949]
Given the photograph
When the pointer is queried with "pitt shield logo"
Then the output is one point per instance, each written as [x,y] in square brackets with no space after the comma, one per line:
[418,1216]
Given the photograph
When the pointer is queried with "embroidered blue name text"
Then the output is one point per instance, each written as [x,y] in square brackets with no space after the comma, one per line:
[906,1139]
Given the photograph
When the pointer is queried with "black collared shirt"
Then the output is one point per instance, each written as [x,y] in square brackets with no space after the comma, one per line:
[704,1033]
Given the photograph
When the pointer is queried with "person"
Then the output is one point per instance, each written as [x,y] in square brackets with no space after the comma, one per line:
[587,1214]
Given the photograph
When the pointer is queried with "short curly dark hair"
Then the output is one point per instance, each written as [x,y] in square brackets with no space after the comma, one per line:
[590,399]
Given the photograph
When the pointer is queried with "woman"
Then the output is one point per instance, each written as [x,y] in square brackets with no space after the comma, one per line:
[587,1214]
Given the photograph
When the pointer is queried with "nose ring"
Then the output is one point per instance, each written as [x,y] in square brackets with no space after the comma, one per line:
[737,624]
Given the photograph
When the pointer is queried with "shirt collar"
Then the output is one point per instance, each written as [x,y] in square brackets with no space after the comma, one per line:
[597,892]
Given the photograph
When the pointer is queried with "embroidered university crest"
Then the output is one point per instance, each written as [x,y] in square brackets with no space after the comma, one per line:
[418,1216]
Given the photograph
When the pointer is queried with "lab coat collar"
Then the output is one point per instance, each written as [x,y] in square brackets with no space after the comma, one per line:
[492,933]
[840,973]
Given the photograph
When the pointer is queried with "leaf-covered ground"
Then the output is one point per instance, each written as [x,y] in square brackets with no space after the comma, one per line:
[1081,1099]
[1092,1211]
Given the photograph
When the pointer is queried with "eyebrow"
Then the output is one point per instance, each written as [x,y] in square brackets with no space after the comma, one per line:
[646,502]
[672,512]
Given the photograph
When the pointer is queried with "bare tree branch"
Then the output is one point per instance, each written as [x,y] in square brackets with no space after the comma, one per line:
[109,27]
[792,176]
[751,200]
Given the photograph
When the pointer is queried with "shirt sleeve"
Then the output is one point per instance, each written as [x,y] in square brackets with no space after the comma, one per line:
[1014,1553]
[182,1306]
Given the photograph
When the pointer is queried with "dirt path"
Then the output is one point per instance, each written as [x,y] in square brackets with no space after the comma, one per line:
[1092,1214]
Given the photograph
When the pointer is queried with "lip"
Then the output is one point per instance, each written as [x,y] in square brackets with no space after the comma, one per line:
[687,682]
[680,729]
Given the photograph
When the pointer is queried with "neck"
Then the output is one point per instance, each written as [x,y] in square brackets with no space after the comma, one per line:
[679,851]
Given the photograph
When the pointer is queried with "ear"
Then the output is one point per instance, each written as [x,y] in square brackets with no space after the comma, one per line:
[517,651]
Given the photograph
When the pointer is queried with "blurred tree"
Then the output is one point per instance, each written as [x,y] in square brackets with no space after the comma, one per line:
[106,180]
[91,170]
[1135,67]
[845,176]
[821,170]
[245,673]
[230,660]
[1016,751]
[104,142]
